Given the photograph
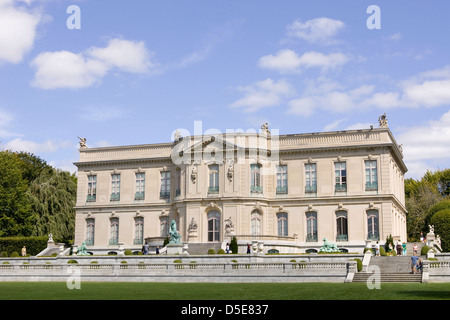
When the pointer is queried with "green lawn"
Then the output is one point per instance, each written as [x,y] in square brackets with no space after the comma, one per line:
[225,291]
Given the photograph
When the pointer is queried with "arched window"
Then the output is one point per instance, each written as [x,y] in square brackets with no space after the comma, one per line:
[341,226]
[311,226]
[138,230]
[114,239]
[90,231]
[282,221]
[256,222]
[373,233]
[214,226]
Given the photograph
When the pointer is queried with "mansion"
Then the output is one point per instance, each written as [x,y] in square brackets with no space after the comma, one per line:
[288,191]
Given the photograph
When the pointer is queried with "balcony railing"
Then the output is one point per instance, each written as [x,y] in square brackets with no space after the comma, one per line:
[373,237]
[115,197]
[282,190]
[138,241]
[164,194]
[213,189]
[340,187]
[89,242]
[113,241]
[256,189]
[311,238]
[91,198]
[311,188]
[139,196]
[372,186]
[342,237]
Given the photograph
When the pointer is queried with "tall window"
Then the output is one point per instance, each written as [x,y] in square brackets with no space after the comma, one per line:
[213,179]
[165,184]
[371,175]
[372,225]
[138,230]
[90,231]
[311,226]
[213,226]
[310,178]
[164,227]
[140,186]
[255,175]
[282,221]
[341,226]
[92,188]
[340,174]
[282,186]
[115,187]
[114,238]
[256,223]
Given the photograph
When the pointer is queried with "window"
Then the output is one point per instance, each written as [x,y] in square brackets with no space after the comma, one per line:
[311,226]
[341,226]
[164,227]
[371,175]
[255,222]
[372,225]
[340,174]
[92,189]
[311,178]
[90,231]
[255,175]
[282,221]
[138,230]
[213,226]
[165,184]
[213,178]
[140,186]
[115,187]
[114,239]
[282,187]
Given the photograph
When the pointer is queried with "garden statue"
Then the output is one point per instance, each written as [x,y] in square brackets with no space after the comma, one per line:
[328,247]
[175,237]
[82,250]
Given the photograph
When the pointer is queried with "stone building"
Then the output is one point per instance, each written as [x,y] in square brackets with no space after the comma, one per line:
[288,191]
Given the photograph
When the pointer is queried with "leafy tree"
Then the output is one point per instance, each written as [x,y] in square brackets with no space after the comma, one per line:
[16,218]
[52,197]
[441,222]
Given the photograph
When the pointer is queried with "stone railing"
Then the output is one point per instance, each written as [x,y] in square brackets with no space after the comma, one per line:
[436,271]
[192,271]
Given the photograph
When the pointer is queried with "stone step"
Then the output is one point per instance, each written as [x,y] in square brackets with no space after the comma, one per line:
[391,277]
[202,248]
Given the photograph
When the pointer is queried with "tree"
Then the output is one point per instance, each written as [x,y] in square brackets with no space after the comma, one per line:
[441,222]
[16,218]
[234,245]
[52,197]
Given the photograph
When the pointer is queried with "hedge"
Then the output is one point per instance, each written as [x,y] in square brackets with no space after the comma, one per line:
[34,245]
[441,222]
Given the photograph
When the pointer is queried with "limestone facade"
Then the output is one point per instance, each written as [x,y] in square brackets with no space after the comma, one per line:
[290,191]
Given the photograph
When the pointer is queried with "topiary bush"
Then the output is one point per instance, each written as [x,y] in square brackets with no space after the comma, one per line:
[211,251]
[220,251]
[234,245]
[15,254]
[128,252]
[424,250]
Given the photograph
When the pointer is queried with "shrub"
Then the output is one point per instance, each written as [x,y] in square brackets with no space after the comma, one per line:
[72,261]
[211,251]
[177,261]
[15,254]
[234,245]
[128,252]
[382,251]
[425,250]
[221,251]
[358,264]
[441,222]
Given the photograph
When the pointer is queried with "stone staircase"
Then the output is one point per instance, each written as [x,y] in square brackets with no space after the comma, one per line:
[202,248]
[392,269]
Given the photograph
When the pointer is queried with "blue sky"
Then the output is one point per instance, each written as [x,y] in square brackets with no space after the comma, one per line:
[137,70]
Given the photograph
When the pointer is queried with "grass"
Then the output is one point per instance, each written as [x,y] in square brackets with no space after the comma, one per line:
[222,291]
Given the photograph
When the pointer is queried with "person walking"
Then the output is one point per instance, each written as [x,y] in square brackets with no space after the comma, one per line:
[248,248]
[415,249]
[414,260]
[399,248]
[377,249]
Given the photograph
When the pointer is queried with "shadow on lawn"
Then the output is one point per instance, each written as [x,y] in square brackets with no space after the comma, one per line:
[433,295]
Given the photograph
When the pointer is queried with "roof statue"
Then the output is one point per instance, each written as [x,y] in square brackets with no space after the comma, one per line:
[383,121]
[82,142]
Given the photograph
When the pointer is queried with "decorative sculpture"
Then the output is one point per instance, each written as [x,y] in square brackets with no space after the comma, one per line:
[328,247]
[229,227]
[382,120]
[82,142]
[192,226]
[175,237]
[82,250]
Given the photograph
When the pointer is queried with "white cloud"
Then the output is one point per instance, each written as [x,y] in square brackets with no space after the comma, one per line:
[262,94]
[17,31]
[48,146]
[319,30]
[287,61]
[64,69]
[426,144]
[6,119]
